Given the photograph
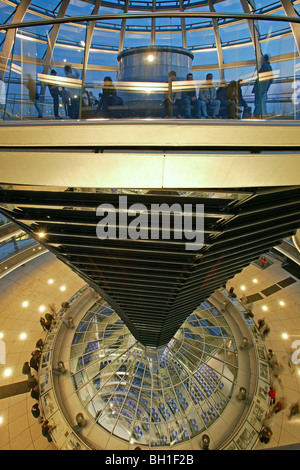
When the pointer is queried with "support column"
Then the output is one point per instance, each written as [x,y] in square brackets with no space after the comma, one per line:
[290,11]
[253,28]
[10,36]
[218,41]
[53,37]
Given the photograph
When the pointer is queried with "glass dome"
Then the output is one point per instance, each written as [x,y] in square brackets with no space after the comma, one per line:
[154,397]
[226,38]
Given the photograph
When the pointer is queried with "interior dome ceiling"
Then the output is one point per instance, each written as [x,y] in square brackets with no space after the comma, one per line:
[161,398]
[211,36]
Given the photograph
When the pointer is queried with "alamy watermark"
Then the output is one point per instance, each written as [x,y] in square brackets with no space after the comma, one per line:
[296,354]
[161,222]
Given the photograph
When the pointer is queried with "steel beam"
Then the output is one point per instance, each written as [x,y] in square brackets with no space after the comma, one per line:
[10,35]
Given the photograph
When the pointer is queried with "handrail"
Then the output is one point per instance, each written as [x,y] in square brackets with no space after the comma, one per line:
[123,16]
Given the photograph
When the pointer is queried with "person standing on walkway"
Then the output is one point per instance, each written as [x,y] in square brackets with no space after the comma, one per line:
[33,94]
[55,93]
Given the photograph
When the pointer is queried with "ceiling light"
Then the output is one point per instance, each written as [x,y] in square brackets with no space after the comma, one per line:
[50,281]
[42,308]
[281,302]
[1,335]
[1,420]
[243,288]
[41,234]
[150,58]
[265,308]
[63,288]
[23,336]
[7,372]
[25,304]
[255,281]
[285,335]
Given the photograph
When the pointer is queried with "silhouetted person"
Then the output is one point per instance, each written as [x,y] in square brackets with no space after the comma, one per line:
[39,344]
[108,98]
[73,93]
[170,99]
[55,93]
[33,94]
[190,102]
[265,435]
[35,361]
[294,410]
[46,431]
[36,412]
[208,98]
[35,393]
[261,86]
[44,324]
[26,370]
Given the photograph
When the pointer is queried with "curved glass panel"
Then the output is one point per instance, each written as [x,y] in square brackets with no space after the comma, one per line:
[155,397]
[231,49]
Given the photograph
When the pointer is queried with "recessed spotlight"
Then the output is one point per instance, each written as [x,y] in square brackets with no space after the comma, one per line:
[63,288]
[255,281]
[281,302]
[1,420]
[1,335]
[41,234]
[285,335]
[7,372]
[42,308]
[243,288]
[25,304]
[265,308]
[23,336]
[50,281]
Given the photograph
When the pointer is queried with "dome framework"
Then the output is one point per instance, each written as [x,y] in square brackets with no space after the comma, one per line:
[226,39]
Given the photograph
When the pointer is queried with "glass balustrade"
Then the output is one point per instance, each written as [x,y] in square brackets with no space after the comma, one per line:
[196,63]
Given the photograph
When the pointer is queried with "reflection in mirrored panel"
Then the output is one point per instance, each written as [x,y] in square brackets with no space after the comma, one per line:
[148,396]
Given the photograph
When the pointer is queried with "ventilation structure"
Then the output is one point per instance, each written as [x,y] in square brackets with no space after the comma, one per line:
[154,284]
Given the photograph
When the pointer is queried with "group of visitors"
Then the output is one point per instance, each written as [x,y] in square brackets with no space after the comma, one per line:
[70,95]
[34,364]
[276,405]
[210,102]
[190,105]
[33,385]
[224,102]
[47,321]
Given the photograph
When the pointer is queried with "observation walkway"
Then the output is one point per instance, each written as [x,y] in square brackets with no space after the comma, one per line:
[142,154]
